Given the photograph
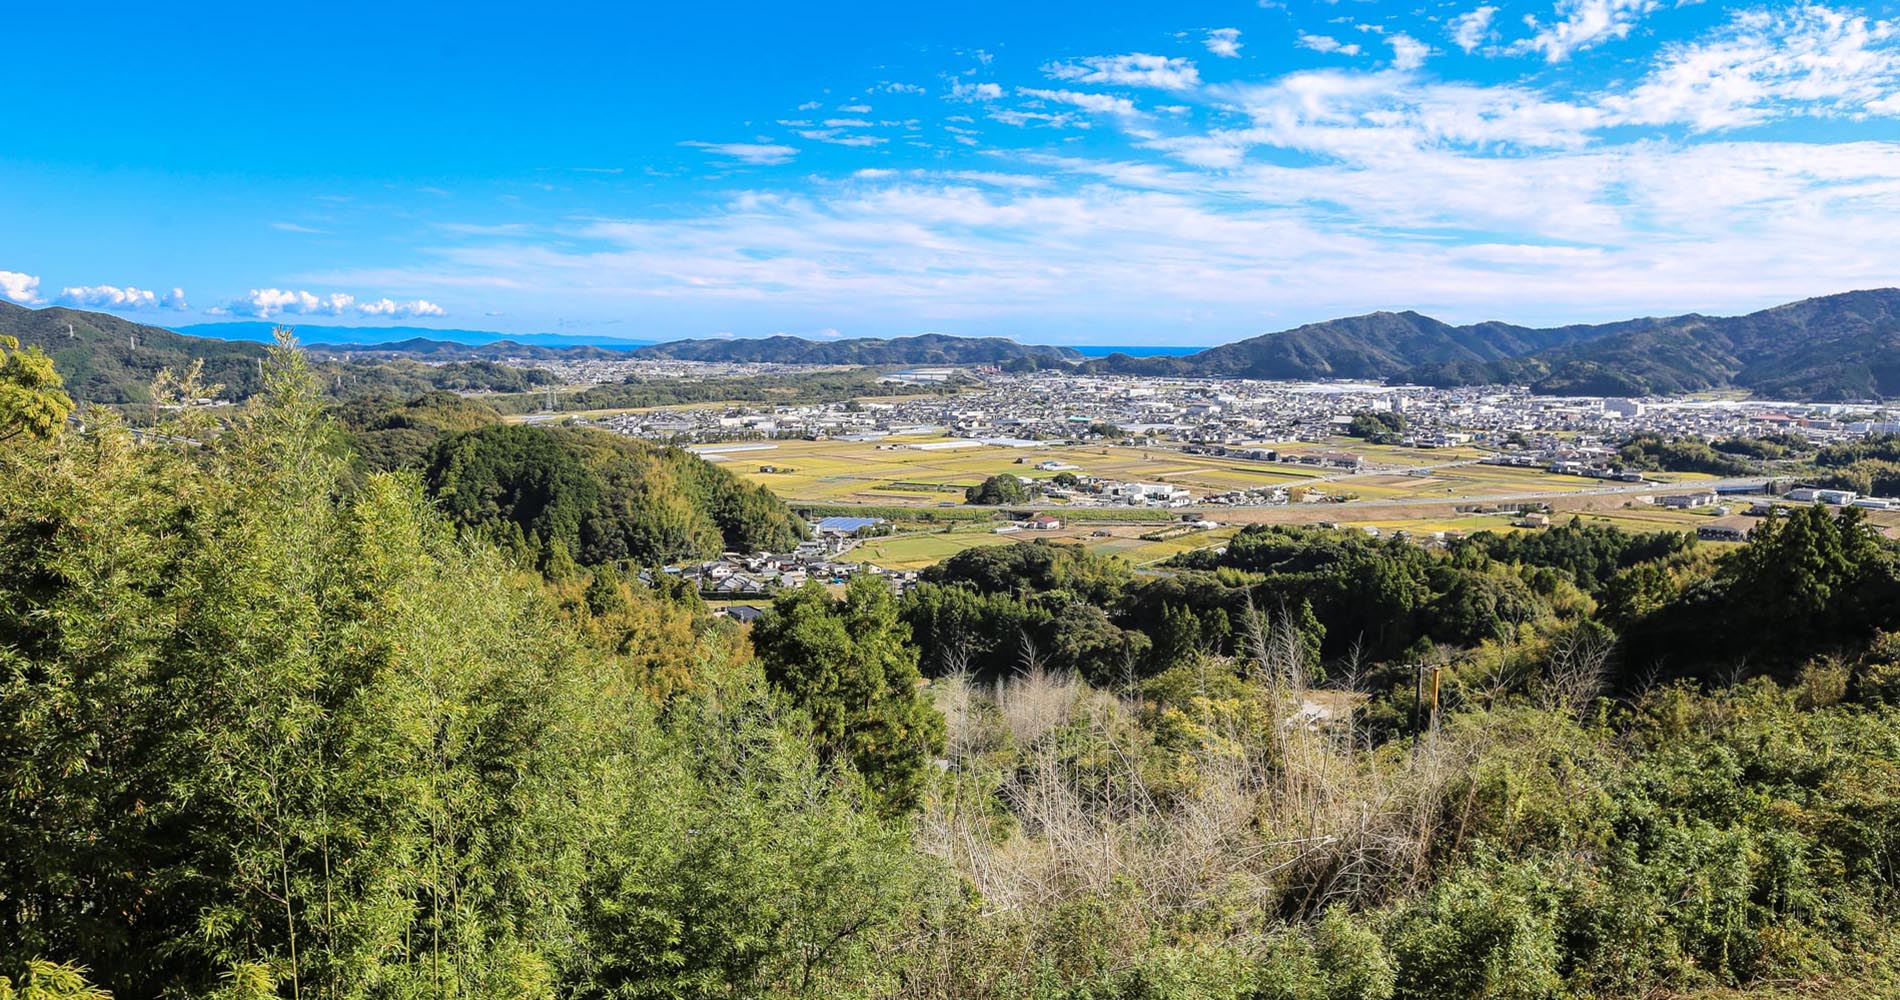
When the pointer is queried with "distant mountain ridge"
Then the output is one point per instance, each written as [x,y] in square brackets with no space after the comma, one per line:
[1835,347]
[379,337]
[1831,348]
[924,349]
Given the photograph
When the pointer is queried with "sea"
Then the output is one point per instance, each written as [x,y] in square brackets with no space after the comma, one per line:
[1134,351]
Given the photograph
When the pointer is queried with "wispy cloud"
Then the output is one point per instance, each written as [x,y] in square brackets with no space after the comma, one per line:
[1473,28]
[1582,24]
[1137,69]
[293,227]
[754,153]
[1223,42]
[971,92]
[1326,43]
[1101,104]
[1765,64]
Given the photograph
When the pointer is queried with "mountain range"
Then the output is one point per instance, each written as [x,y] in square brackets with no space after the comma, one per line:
[376,337]
[1835,347]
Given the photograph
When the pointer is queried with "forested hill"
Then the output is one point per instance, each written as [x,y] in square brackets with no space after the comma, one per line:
[568,496]
[927,349]
[106,359]
[1844,346]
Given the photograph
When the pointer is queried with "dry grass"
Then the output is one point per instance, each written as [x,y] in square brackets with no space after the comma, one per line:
[1284,817]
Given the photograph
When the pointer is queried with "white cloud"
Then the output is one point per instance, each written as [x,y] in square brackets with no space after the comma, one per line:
[846,123]
[20,288]
[113,297]
[763,154]
[292,227]
[388,308]
[1101,104]
[1326,43]
[1582,24]
[1472,28]
[899,88]
[855,109]
[1408,53]
[968,92]
[1224,42]
[1137,69]
[1766,64]
[264,303]
[839,137]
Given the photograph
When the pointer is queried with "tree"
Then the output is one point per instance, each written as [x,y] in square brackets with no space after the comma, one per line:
[847,665]
[33,401]
[1377,426]
[998,489]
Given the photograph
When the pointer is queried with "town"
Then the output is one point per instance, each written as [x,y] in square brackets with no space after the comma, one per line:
[1157,464]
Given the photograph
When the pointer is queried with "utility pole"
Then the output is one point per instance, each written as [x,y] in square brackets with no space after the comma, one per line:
[1418,700]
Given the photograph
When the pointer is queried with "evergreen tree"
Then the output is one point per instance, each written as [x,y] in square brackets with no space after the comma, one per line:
[847,665]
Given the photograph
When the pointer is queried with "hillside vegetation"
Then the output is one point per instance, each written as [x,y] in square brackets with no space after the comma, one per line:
[1834,347]
[105,359]
[275,724]
[568,495]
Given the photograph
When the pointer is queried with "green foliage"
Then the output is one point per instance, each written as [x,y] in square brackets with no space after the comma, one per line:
[44,980]
[1767,448]
[745,873]
[1869,465]
[32,399]
[1377,426]
[1481,934]
[846,665]
[386,435]
[563,496]
[1809,581]
[1653,451]
[998,489]
[269,723]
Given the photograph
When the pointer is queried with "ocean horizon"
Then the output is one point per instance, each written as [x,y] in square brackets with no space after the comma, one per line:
[1133,351]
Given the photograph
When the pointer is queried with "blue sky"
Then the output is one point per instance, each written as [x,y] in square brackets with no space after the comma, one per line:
[1186,173]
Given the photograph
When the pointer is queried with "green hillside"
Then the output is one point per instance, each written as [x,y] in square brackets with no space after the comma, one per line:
[106,359]
[1843,346]
[570,495]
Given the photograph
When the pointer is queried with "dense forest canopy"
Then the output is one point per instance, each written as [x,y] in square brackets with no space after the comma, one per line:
[276,721]
[573,495]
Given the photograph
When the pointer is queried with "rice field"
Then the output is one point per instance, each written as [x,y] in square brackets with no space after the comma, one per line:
[891,471]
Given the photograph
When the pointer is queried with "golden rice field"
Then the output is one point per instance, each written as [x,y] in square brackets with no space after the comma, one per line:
[890,472]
